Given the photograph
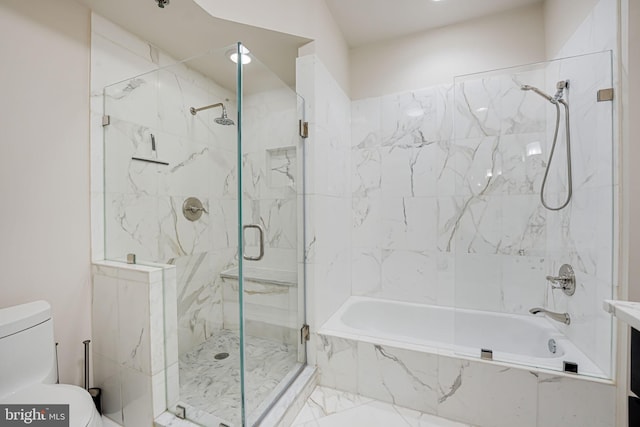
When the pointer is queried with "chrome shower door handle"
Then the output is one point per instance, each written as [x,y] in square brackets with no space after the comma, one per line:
[261,239]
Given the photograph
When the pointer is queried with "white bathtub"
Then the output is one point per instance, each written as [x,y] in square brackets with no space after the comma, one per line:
[516,339]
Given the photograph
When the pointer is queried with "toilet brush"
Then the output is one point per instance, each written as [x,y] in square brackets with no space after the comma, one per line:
[95,392]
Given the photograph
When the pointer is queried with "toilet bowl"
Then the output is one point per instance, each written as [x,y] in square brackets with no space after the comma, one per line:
[28,369]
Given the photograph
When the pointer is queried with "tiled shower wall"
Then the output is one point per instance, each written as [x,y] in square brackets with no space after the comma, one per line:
[142,211]
[143,205]
[328,198]
[445,193]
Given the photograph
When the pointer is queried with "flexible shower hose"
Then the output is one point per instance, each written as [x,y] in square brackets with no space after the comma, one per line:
[553,148]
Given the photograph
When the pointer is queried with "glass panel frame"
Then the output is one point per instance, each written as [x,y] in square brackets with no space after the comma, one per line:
[271,155]
[506,242]
[202,164]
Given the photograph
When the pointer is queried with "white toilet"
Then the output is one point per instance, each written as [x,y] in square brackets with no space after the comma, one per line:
[28,364]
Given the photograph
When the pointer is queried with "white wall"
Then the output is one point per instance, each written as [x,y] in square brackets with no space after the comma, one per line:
[436,56]
[310,19]
[44,167]
[561,20]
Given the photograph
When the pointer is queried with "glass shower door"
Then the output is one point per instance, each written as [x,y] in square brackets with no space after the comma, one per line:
[272,291]
[171,199]
[507,243]
[203,172]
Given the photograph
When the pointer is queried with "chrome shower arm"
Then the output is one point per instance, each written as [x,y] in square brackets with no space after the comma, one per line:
[194,111]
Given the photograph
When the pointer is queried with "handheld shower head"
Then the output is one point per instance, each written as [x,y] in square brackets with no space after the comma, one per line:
[538,91]
[560,87]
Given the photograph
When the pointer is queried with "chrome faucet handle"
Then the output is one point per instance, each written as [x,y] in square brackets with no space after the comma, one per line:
[192,209]
[562,280]
[566,280]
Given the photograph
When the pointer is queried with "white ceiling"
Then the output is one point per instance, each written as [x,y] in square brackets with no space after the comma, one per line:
[368,21]
[184,30]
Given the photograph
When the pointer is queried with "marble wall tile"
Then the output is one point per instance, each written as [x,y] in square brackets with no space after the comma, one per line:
[402,377]
[337,361]
[325,401]
[366,272]
[170,316]
[133,311]
[329,204]
[524,226]
[523,283]
[464,390]
[485,179]
[199,297]
[474,392]
[409,275]
[158,347]
[409,223]
[129,327]
[137,399]
[446,263]
[478,282]
[106,375]
[159,393]
[366,124]
[105,316]
[477,108]
[566,401]
[367,220]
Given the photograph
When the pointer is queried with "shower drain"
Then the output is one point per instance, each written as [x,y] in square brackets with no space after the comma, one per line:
[221,356]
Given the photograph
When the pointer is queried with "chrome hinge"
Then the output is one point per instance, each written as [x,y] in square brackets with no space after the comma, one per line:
[303,129]
[605,95]
[181,412]
[304,334]
[106,120]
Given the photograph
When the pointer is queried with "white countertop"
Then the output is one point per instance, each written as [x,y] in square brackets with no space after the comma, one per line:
[626,311]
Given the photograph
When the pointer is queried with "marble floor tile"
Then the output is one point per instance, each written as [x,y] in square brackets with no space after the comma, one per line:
[213,385]
[332,408]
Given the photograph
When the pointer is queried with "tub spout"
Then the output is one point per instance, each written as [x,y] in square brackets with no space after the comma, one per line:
[558,317]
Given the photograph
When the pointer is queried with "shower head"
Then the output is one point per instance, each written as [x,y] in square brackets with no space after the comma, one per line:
[538,91]
[560,87]
[222,120]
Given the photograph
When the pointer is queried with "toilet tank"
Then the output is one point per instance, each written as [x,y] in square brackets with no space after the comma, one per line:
[27,347]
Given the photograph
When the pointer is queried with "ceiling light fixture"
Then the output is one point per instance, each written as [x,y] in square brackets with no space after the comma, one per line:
[244,54]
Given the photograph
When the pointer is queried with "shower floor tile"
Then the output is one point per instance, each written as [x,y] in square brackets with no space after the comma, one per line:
[332,408]
[213,385]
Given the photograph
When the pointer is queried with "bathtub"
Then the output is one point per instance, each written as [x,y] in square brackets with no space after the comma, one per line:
[514,339]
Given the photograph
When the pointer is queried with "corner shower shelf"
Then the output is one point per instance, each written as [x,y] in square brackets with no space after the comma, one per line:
[264,275]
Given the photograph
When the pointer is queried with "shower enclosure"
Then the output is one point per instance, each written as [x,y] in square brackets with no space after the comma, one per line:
[203,171]
[510,249]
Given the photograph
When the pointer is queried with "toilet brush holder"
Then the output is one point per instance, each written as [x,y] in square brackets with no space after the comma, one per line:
[95,392]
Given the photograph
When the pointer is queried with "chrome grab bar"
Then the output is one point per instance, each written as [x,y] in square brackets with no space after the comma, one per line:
[261,235]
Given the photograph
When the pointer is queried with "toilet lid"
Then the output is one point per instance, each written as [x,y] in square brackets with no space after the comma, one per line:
[82,411]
